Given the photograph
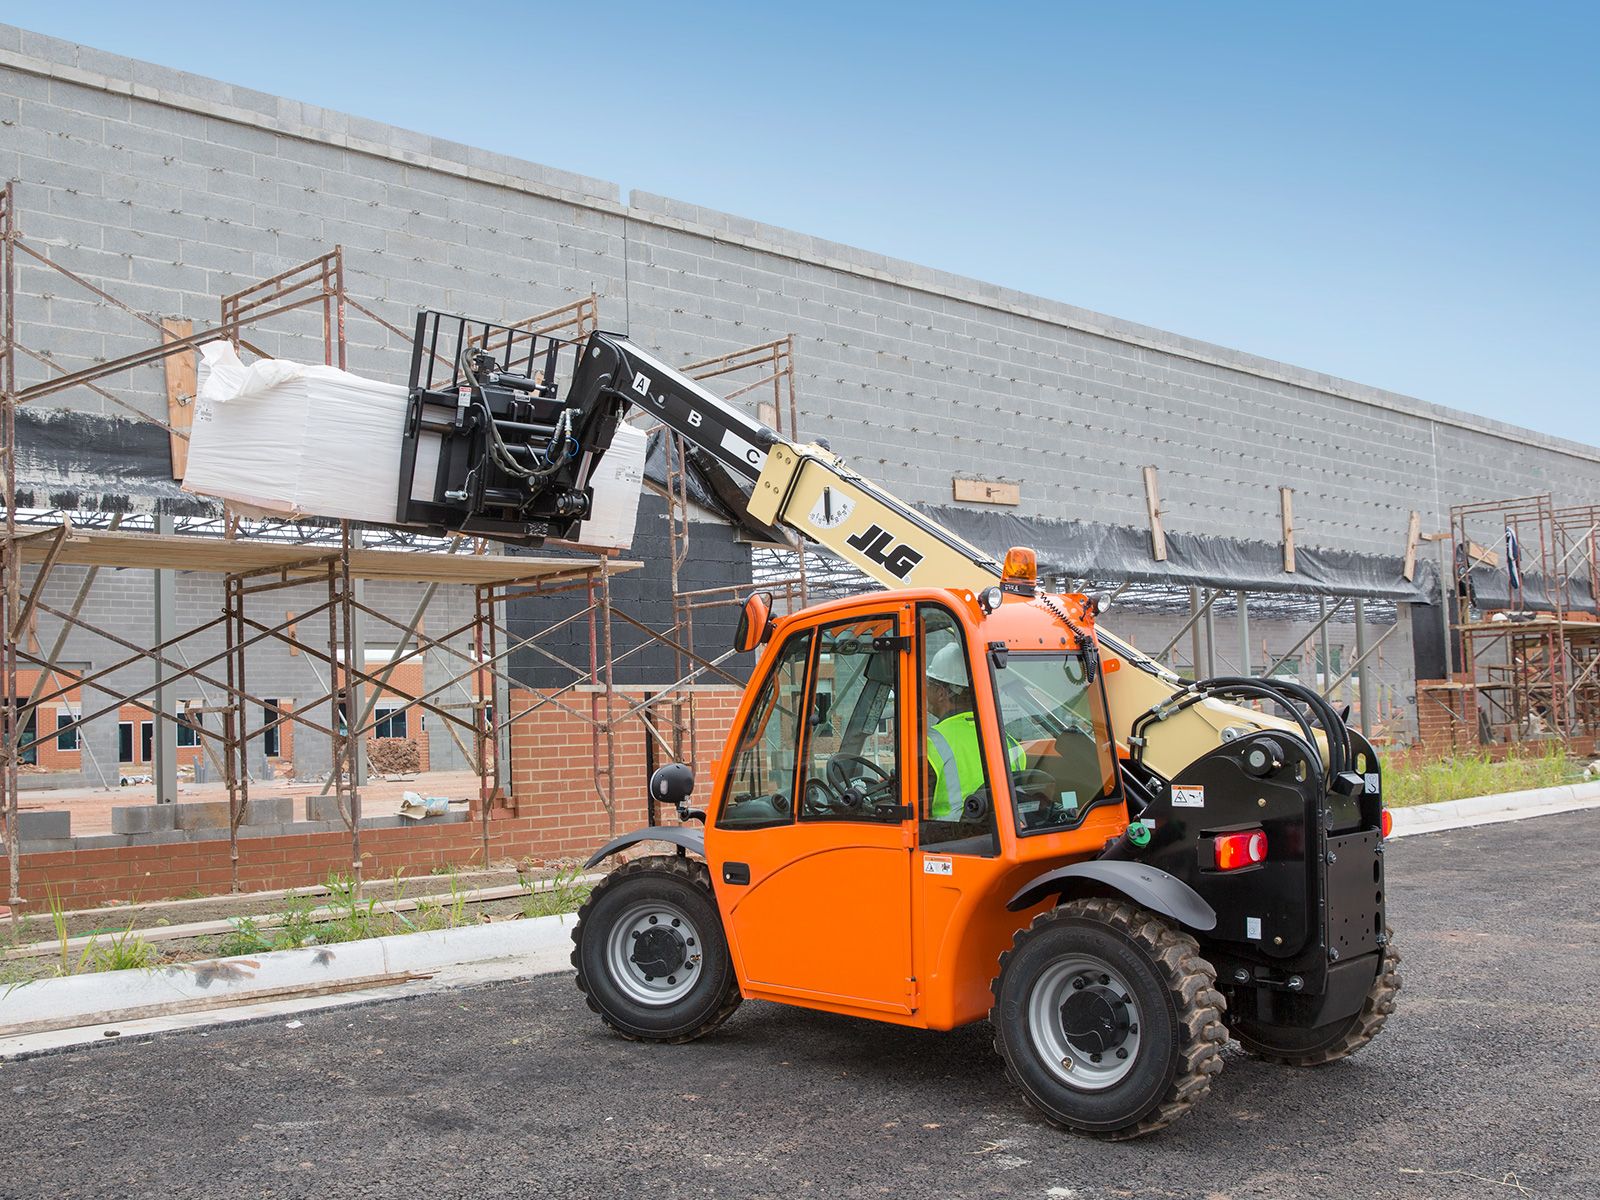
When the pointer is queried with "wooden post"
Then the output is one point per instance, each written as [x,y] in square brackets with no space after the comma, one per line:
[1152,503]
[181,373]
[1413,533]
[1286,499]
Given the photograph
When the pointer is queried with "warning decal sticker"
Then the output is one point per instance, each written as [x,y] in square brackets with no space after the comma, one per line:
[1188,797]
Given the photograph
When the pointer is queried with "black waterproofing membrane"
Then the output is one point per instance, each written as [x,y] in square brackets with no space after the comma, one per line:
[1088,550]
[1491,591]
[87,462]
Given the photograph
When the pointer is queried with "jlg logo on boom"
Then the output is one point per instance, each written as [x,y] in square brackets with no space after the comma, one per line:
[875,544]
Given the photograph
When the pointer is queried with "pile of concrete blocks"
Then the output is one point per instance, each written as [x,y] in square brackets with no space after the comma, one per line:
[208,814]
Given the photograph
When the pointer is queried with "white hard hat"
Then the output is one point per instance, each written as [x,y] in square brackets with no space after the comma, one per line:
[949,666]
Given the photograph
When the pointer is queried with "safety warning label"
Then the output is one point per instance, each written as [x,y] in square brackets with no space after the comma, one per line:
[1188,797]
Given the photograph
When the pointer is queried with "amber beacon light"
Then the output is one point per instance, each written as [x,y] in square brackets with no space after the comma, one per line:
[1021,569]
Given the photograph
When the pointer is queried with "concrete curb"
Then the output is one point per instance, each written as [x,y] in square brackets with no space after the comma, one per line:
[50,1013]
[1487,810]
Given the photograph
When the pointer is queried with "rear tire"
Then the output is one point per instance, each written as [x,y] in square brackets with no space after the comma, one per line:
[1336,1040]
[1093,978]
[650,952]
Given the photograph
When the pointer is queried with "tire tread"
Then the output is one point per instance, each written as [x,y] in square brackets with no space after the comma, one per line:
[691,871]
[1190,979]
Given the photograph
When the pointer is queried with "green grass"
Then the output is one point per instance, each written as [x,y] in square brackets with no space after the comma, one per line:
[566,893]
[1476,775]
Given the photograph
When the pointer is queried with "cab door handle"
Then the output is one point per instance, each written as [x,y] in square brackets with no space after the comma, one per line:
[736,873]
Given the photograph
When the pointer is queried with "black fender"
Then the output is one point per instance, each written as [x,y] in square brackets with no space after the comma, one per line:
[678,835]
[1149,886]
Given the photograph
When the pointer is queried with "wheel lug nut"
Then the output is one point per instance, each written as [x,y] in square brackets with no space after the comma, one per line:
[675,922]
[1133,1029]
[672,979]
[649,978]
[691,941]
[1127,999]
[1122,1052]
[652,920]
[635,933]
[1094,1058]
[1077,985]
[1105,979]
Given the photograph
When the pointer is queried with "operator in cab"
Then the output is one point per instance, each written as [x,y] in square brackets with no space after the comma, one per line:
[954,748]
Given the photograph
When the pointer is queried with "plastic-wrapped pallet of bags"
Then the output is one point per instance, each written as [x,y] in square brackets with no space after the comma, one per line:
[295,440]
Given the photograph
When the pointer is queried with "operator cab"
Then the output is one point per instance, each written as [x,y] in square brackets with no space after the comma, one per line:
[899,757]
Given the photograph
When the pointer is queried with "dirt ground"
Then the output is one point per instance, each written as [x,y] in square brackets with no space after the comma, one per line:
[91,806]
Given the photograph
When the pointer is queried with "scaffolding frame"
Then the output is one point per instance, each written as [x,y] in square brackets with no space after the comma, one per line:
[307,556]
[1531,671]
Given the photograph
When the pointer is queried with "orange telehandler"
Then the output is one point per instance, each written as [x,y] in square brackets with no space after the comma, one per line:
[961,799]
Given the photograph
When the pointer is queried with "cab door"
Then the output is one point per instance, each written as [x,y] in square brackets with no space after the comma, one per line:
[825,917]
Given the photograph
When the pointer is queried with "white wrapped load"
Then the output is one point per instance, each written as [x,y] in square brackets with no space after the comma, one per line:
[295,440]
[286,439]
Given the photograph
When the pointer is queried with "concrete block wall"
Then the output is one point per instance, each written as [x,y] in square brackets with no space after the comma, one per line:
[172,190]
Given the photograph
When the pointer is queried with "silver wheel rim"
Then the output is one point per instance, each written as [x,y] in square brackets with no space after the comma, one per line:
[661,921]
[1074,1065]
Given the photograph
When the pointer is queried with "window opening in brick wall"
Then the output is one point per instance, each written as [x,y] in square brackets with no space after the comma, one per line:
[69,739]
[30,735]
[125,741]
[189,726]
[147,741]
[391,721]
[269,740]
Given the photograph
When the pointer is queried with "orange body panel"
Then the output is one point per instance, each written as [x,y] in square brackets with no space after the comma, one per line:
[851,917]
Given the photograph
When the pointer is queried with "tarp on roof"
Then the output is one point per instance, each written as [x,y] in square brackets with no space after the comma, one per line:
[1089,550]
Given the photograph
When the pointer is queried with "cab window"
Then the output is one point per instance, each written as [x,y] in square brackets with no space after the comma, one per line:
[852,758]
[1056,715]
[955,806]
[760,789]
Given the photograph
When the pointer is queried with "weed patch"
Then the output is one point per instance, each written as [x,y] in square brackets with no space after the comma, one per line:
[1476,775]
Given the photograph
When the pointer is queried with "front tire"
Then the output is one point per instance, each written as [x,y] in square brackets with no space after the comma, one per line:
[650,952]
[1108,1018]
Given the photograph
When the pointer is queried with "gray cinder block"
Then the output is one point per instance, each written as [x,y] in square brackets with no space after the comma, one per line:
[40,826]
[323,808]
[145,818]
[270,810]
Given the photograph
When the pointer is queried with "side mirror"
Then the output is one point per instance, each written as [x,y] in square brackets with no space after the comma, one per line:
[821,705]
[755,622]
[672,784]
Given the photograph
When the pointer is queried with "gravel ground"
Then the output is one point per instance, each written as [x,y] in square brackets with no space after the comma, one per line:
[1485,1084]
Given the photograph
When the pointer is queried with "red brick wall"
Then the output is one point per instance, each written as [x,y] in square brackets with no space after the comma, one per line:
[158,872]
[553,764]
[555,813]
[1442,735]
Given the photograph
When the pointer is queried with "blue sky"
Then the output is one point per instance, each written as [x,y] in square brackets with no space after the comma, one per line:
[1400,194]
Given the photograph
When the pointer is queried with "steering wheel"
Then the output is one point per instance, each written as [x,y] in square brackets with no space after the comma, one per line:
[818,799]
[853,792]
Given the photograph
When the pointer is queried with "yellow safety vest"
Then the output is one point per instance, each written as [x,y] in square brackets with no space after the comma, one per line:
[957,758]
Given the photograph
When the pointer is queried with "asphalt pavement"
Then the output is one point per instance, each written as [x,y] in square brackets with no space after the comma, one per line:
[1486,1083]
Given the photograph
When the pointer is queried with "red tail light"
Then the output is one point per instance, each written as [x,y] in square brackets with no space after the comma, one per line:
[1235,850]
[1388,822]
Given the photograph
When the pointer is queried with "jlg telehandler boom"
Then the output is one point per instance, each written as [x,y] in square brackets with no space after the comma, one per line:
[957,799]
